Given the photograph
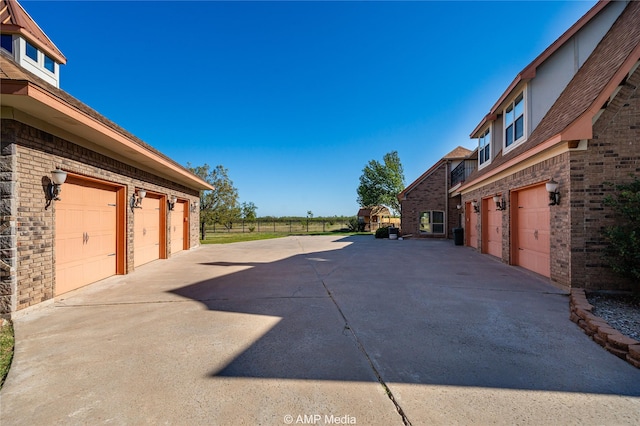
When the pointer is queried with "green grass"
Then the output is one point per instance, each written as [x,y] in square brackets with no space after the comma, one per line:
[236,237]
[6,348]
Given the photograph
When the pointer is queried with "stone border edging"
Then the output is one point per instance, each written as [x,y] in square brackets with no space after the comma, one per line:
[599,330]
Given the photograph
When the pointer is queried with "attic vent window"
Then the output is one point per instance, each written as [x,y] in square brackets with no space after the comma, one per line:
[7,42]
[32,52]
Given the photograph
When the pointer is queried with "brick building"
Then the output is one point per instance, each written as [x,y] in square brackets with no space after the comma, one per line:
[121,204]
[571,117]
[429,210]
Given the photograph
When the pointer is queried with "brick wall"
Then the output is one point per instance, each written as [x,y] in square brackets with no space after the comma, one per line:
[613,156]
[559,215]
[430,194]
[35,153]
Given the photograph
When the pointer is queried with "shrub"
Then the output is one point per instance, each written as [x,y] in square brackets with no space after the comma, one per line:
[382,232]
[622,252]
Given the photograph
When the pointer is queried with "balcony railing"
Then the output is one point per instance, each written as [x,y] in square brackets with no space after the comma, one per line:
[462,170]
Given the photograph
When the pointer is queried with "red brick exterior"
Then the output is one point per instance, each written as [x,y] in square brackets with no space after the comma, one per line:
[612,155]
[431,194]
[27,157]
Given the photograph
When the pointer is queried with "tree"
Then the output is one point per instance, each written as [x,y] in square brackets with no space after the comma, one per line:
[221,204]
[248,211]
[623,239]
[380,183]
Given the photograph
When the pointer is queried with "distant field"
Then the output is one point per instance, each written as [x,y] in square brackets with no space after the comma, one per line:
[237,237]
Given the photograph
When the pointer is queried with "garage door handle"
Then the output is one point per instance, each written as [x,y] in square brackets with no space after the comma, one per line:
[85,238]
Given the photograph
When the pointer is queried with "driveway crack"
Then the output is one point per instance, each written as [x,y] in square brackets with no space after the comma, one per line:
[349,329]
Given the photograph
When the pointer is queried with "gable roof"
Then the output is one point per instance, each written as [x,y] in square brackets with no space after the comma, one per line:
[529,72]
[24,91]
[570,117]
[458,153]
[15,20]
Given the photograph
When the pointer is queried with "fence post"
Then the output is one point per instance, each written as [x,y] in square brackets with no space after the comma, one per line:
[243,226]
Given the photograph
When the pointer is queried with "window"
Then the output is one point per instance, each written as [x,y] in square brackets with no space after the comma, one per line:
[32,52]
[7,42]
[432,222]
[514,121]
[49,64]
[484,147]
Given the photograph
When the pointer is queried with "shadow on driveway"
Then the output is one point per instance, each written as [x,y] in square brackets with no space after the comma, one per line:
[418,312]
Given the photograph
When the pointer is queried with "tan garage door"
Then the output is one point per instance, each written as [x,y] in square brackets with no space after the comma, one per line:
[491,228]
[85,235]
[471,228]
[177,227]
[532,243]
[146,233]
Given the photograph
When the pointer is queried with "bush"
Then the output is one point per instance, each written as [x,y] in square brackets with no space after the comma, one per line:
[382,232]
[623,239]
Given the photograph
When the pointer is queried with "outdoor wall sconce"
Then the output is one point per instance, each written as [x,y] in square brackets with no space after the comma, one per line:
[500,203]
[194,207]
[58,177]
[136,199]
[459,206]
[476,207]
[172,202]
[554,194]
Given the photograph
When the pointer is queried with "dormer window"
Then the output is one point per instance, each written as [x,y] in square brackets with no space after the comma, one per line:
[49,64]
[32,52]
[514,122]
[6,42]
[484,147]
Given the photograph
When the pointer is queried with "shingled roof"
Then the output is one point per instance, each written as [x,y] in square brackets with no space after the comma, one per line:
[15,20]
[570,117]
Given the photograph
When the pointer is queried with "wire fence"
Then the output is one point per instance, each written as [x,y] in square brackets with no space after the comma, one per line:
[280,226]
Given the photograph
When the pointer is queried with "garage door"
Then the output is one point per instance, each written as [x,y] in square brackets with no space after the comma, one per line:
[177,227]
[532,243]
[146,236]
[85,235]
[471,226]
[491,228]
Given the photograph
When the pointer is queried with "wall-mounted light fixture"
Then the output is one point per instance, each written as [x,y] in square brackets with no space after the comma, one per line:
[554,194]
[136,199]
[172,202]
[194,206]
[58,177]
[459,206]
[476,207]
[500,203]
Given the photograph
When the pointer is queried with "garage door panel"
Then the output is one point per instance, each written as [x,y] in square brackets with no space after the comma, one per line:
[147,232]
[533,231]
[177,228]
[85,236]
[492,231]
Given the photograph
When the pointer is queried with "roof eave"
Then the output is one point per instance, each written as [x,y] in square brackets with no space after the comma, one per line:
[23,95]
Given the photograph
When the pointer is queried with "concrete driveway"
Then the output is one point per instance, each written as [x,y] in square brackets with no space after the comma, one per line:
[316,330]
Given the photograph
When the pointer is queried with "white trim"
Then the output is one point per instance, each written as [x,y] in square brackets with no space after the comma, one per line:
[525,119]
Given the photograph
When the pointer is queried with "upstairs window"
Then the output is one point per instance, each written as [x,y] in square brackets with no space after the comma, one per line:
[32,52]
[49,64]
[514,121]
[484,147]
[6,42]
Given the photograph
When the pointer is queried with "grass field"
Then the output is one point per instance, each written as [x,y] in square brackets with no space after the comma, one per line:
[236,237]
[6,348]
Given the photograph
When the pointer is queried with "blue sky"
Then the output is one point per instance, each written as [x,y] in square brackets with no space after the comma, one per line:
[294,98]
